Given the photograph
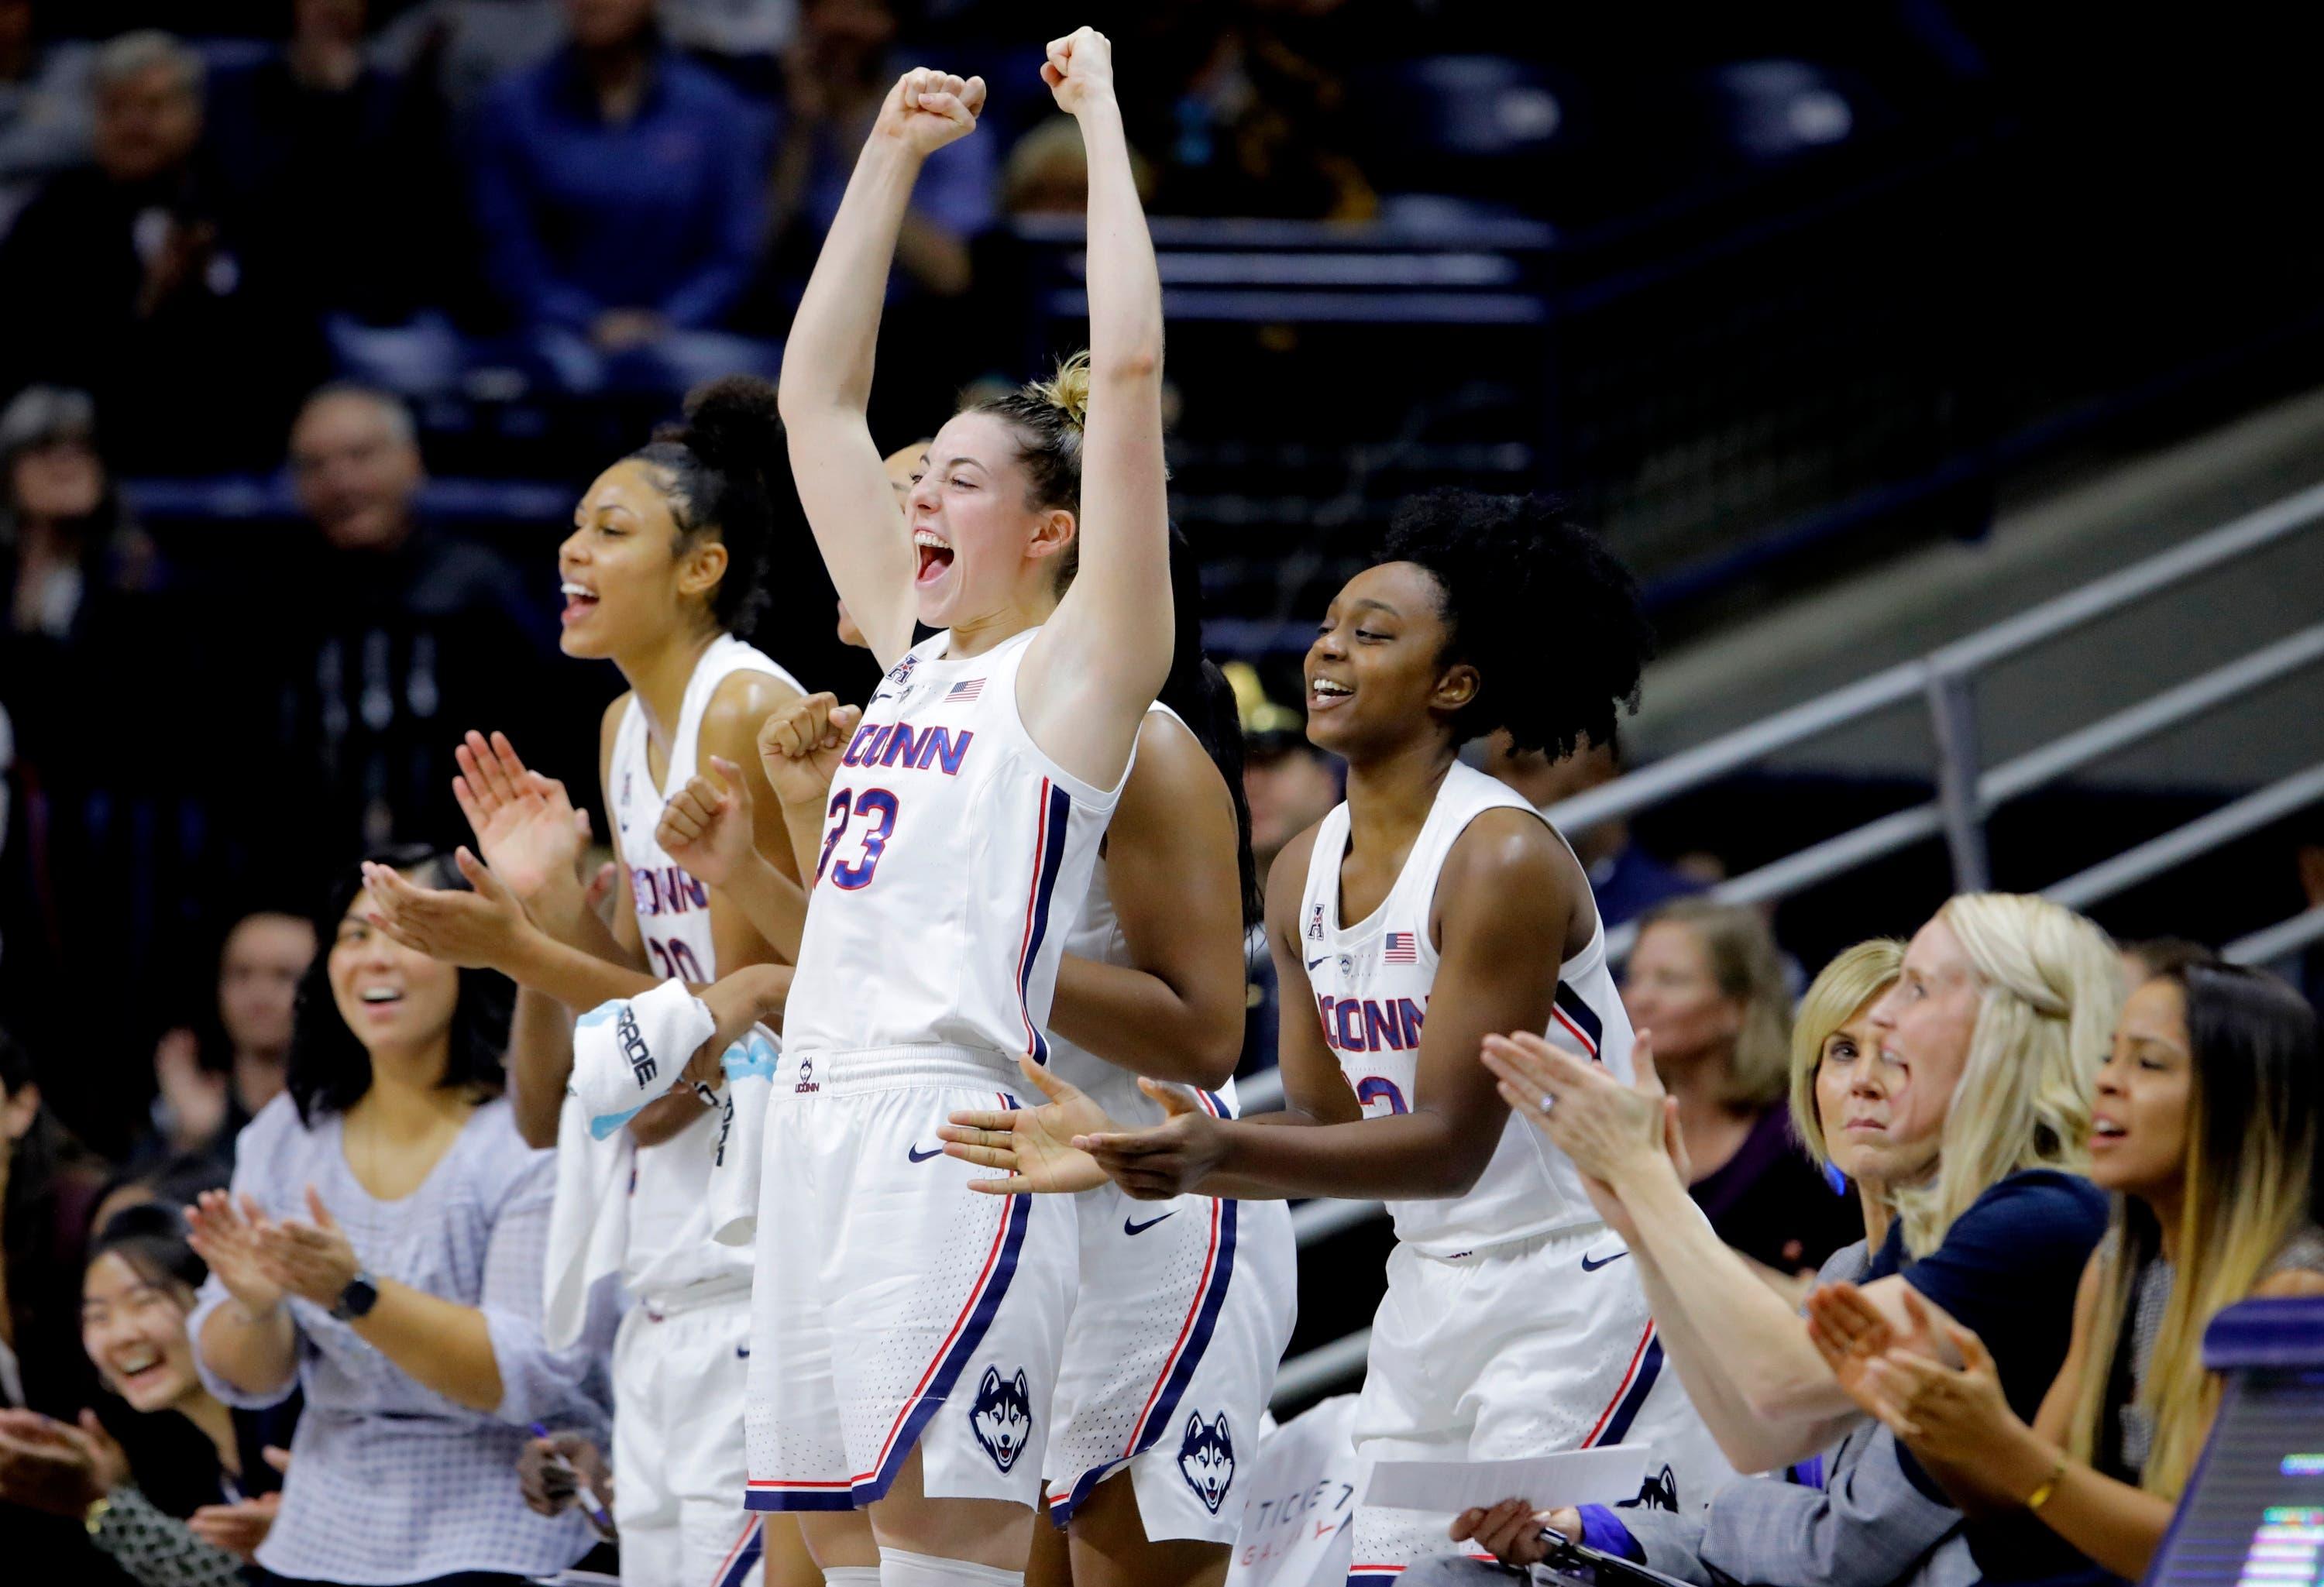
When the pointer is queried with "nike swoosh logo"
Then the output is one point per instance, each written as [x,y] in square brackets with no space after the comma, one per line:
[918,1156]
[1312,963]
[743,1352]
[1589,1266]
[1129,1228]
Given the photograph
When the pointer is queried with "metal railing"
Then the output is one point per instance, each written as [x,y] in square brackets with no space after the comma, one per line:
[1967,793]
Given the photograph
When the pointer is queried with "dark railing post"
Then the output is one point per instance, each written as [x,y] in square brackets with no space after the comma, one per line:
[1953,714]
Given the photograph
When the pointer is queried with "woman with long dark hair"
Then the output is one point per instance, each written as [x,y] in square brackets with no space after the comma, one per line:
[381,1250]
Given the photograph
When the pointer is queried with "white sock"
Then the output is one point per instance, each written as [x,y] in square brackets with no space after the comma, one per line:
[899,1568]
[851,1576]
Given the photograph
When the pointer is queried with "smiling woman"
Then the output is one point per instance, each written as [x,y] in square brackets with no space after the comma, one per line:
[186,1488]
[381,1252]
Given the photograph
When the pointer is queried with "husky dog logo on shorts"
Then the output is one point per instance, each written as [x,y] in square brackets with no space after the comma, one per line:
[1659,1491]
[1206,1460]
[1003,1415]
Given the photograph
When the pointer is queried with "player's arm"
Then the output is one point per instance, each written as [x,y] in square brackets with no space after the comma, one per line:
[826,377]
[756,917]
[1176,1011]
[539,1065]
[1099,661]
[1504,902]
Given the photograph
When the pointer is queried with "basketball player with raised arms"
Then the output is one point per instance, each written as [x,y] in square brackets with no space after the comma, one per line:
[1430,909]
[665,575]
[908,1332]
[1180,1321]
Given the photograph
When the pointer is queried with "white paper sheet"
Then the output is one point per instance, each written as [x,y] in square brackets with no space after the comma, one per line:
[1550,1482]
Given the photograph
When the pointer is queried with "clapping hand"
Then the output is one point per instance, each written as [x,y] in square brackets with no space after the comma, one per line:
[227,1231]
[1947,1413]
[1033,1147]
[1169,1159]
[51,1465]
[313,1260]
[525,825]
[238,1528]
[478,929]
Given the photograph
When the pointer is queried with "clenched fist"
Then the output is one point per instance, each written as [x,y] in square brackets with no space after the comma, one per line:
[928,109]
[1079,70]
[800,745]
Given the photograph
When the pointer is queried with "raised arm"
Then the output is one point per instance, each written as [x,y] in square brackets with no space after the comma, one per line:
[1175,1011]
[827,382]
[1504,904]
[1103,655]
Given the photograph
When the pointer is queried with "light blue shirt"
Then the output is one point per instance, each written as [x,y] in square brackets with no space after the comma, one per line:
[389,1481]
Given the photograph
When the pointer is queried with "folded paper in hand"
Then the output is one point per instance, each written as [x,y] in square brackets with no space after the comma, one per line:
[1548,1482]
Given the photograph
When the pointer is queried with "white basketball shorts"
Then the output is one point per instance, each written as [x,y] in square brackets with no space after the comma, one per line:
[678,1370]
[892,1306]
[1185,1308]
[1528,1347]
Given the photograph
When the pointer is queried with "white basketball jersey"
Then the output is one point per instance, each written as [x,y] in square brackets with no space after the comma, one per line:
[1371,982]
[1097,934]
[670,1246]
[955,857]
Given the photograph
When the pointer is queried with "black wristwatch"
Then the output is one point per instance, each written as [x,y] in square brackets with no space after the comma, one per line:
[356,1299]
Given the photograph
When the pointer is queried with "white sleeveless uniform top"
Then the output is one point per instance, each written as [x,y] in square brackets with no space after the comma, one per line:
[955,856]
[670,1245]
[1098,935]
[1371,982]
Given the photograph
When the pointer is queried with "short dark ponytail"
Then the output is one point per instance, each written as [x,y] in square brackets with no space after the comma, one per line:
[717,458]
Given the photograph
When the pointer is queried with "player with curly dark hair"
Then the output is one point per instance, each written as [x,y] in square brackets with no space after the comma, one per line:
[1432,908]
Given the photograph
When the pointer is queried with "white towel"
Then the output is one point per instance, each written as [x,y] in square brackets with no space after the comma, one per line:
[625,1054]
[632,1050]
[749,1065]
[588,1221]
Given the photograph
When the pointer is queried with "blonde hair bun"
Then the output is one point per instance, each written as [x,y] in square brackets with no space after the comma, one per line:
[1068,390]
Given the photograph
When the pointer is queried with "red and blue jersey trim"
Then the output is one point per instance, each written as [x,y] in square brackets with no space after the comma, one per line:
[1185,1355]
[935,1388]
[1048,859]
[1579,1019]
[1638,1381]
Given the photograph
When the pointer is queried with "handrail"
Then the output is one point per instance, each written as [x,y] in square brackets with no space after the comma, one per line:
[1731,751]
[2158,854]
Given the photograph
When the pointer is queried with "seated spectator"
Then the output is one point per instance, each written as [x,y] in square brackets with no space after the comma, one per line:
[620,188]
[2206,1131]
[131,279]
[1998,1022]
[44,106]
[402,634]
[835,76]
[74,559]
[1847,1516]
[199,1108]
[1706,981]
[183,1495]
[382,1250]
[1048,171]
[1626,880]
[343,172]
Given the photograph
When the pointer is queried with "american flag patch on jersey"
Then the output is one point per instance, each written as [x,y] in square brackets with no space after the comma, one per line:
[967,690]
[1400,949]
